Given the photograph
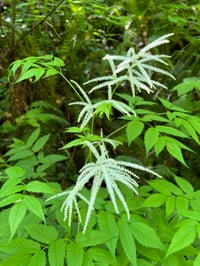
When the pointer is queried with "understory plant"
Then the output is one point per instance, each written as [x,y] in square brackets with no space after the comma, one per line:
[106,218]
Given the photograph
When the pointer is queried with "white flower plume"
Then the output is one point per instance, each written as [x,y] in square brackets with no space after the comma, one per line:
[104,169]
[135,69]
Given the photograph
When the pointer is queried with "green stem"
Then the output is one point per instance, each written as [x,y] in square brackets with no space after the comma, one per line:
[72,86]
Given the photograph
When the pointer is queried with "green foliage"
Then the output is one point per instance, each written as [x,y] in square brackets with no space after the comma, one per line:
[160,130]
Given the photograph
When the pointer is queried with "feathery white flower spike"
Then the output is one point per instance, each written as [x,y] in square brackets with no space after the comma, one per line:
[134,68]
[104,169]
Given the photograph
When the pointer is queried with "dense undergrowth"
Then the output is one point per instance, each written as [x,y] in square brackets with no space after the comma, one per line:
[99,128]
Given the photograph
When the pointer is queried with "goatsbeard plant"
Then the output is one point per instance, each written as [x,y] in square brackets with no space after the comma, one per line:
[135,69]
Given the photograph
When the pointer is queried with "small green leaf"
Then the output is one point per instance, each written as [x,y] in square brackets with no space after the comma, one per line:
[17,213]
[92,238]
[159,145]
[197,260]
[133,130]
[74,254]
[171,106]
[51,72]
[100,255]
[42,233]
[40,143]
[15,172]
[195,215]
[73,143]
[27,74]
[184,185]
[127,240]
[154,201]
[108,225]
[10,187]
[182,239]
[56,253]
[39,73]
[150,138]
[32,138]
[34,206]
[21,155]
[191,131]
[152,117]
[165,187]
[11,199]
[38,187]
[146,235]
[171,131]
[176,152]
[38,258]
[170,205]
[19,246]
[181,204]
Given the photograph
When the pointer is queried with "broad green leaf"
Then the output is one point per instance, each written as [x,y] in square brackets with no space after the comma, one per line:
[127,240]
[39,144]
[190,130]
[11,199]
[16,215]
[176,152]
[195,122]
[14,66]
[74,254]
[170,205]
[182,239]
[152,117]
[30,73]
[146,235]
[175,260]
[187,85]
[101,255]
[51,72]
[56,253]
[171,131]
[171,106]
[181,204]
[184,185]
[87,261]
[150,138]
[73,143]
[42,233]
[197,260]
[38,187]
[195,215]
[155,200]
[21,155]
[133,130]
[49,160]
[11,187]
[17,260]
[165,187]
[39,73]
[32,138]
[159,145]
[38,258]
[15,172]
[19,246]
[33,205]
[92,238]
[107,224]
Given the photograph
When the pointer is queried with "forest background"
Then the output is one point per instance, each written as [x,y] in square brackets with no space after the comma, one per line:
[37,121]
